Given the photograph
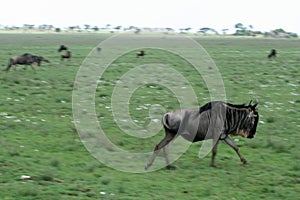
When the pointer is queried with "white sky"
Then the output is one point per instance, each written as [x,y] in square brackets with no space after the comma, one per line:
[264,15]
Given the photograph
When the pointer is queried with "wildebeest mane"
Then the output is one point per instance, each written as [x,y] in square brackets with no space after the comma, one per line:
[208,106]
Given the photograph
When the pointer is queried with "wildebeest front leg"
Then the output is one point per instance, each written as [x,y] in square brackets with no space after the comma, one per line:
[167,139]
[230,143]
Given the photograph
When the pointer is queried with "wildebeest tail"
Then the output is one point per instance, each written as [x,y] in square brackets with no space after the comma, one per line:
[165,121]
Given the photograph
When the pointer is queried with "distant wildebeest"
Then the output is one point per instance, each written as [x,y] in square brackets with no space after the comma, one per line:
[62,48]
[272,53]
[66,56]
[140,54]
[215,120]
[26,59]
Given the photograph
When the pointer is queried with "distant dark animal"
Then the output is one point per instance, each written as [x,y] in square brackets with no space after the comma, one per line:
[66,56]
[140,54]
[99,49]
[215,120]
[272,53]
[62,48]
[26,59]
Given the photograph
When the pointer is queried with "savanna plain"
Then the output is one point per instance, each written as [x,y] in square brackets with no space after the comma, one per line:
[43,157]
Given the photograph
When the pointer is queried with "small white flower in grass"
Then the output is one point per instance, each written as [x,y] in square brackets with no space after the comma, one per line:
[156,120]
[3,114]
[62,101]
[294,94]
[10,117]
[25,177]
[103,193]
[262,122]
[43,120]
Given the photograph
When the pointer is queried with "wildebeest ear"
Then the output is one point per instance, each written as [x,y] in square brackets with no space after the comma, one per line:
[255,106]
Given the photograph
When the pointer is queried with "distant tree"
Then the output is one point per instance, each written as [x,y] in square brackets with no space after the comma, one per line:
[206,30]
[170,29]
[95,28]
[87,27]
[28,26]
[118,28]
[239,26]
[242,30]
[224,31]
[185,30]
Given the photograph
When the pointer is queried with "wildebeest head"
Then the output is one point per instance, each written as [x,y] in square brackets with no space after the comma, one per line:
[39,59]
[62,48]
[253,117]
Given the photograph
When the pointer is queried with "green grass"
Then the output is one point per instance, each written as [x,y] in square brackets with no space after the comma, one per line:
[38,137]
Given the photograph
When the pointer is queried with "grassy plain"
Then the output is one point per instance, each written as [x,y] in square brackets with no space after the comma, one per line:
[38,137]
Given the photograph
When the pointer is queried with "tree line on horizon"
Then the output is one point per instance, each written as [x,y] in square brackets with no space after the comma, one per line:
[240,30]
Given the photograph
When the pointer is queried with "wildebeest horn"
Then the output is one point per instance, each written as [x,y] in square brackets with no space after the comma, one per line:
[250,103]
[255,105]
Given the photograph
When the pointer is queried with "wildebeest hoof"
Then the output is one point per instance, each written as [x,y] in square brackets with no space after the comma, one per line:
[213,165]
[244,161]
[170,167]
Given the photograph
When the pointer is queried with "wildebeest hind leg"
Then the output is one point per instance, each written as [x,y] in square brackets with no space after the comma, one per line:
[230,143]
[166,152]
[167,139]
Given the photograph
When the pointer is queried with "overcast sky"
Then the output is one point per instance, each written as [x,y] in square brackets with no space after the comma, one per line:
[263,15]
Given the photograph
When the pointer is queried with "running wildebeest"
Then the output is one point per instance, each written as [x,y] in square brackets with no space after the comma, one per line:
[140,54]
[272,53]
[62,48]
[26,59]
[215,120]
[66,56]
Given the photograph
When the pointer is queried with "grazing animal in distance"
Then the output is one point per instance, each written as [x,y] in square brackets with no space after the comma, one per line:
[140,54]
[62,48]
[26,59]
[272,54]
[215,120]
[66,56]
[99,49]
